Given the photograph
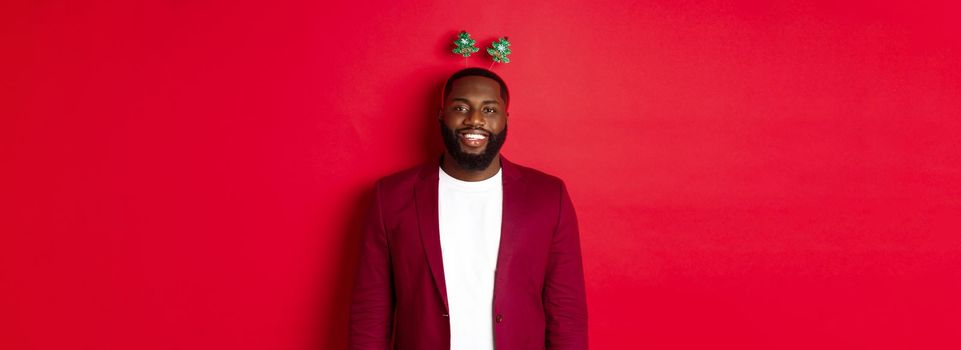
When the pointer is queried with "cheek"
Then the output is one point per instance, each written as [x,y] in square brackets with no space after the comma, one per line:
[452,120]
[500,123]
[448,123]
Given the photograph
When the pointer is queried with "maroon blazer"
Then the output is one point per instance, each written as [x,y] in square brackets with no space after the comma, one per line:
[539,300]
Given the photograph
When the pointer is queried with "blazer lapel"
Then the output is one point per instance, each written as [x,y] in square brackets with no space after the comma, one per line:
[425,196]
[513,195]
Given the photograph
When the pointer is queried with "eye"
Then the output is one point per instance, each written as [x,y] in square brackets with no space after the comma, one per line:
[460,108]
[489,110]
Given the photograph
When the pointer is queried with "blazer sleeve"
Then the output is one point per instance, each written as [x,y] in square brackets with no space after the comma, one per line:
[372,303]
[565,302]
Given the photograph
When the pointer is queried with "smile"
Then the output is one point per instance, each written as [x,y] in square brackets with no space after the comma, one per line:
[473,138]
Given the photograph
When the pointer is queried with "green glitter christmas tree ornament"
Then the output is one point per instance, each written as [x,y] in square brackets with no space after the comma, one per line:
[499,51]
[465,45]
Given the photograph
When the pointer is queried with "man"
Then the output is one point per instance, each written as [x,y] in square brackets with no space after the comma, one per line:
[473,251]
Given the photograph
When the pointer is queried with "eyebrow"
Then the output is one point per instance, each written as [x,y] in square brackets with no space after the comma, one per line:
[468,101]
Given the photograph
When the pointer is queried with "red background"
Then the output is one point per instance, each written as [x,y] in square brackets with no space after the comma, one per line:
[748,175]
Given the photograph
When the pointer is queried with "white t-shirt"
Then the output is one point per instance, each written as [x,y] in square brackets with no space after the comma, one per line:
[470,232]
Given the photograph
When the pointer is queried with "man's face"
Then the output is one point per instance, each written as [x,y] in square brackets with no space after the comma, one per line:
[474,122]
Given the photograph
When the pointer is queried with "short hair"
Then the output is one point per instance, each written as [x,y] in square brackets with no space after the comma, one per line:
[480,72]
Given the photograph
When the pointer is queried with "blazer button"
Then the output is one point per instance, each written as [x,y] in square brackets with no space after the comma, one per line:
[445,315]
[499,318]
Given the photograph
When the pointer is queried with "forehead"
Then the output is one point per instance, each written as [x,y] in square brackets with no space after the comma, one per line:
[475,88]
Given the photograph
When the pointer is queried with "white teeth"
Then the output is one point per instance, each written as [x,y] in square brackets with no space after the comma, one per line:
[474,136]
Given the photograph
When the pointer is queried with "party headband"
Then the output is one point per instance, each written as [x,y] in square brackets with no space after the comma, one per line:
[498,49]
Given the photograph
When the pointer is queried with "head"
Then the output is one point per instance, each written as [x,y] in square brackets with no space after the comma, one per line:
[473,117]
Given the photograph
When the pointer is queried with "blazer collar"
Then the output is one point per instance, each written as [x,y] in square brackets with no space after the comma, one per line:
[425,196]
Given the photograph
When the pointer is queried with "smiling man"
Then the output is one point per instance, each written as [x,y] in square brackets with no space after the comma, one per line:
[471,251]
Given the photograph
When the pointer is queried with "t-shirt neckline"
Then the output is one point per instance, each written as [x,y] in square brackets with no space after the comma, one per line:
[488,183]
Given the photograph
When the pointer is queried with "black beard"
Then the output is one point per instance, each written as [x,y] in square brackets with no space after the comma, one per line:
[472,162]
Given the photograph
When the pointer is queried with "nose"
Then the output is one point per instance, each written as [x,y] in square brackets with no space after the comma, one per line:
[475,119]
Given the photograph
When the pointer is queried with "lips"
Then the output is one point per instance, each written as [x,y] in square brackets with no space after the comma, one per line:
[473,138]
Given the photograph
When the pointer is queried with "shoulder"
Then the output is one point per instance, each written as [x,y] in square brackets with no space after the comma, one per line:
[531,175]
[535,181]
[401,178]
[403,182]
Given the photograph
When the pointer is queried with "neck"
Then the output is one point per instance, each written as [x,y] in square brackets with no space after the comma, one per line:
[451,167]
